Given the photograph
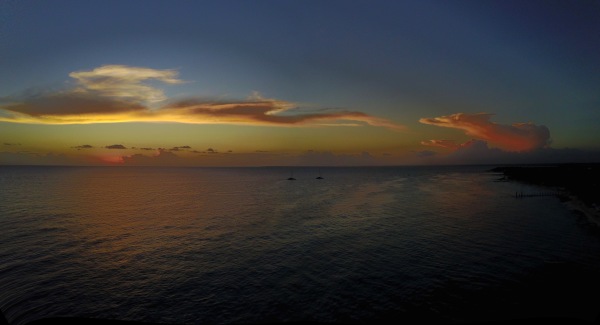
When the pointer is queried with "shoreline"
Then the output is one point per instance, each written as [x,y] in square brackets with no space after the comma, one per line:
[577,183]
[591,213]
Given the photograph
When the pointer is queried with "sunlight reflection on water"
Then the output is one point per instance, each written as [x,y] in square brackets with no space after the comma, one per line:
[246,245]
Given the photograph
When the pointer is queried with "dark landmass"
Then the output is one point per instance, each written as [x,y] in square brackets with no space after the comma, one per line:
[579,180]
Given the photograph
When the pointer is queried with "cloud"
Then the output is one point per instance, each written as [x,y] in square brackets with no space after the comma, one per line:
[11,144]
[117,93]
[116,146]
[516,137]
[180,148]
[264,112]
[441,143]
[66,106]
[84,146]
[124,82]
[163,157]
[479,152]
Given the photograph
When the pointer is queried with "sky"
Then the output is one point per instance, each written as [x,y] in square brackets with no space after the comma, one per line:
[265,83]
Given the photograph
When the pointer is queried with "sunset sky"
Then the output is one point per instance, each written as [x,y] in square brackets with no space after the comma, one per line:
[254,83]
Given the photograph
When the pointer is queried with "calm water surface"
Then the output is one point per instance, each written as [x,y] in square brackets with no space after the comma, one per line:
[244,245]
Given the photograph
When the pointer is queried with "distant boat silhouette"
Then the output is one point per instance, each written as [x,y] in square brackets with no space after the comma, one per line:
[319,177]
[291,178]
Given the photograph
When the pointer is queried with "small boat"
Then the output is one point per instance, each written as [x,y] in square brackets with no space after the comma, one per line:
[291,178]
[319,177]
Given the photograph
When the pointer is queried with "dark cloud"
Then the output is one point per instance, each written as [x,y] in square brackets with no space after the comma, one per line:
[83,146]
[11,144]
[146,148]
[63,104]
[180,148]
[116,146]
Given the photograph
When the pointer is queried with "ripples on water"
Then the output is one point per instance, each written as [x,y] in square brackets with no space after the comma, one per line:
[221,246]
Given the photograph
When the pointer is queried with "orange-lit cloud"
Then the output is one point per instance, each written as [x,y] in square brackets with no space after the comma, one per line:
[441,143]
[264,112]
[515,137]
[116,94]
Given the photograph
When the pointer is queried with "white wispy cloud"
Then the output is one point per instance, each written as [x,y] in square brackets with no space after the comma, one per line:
[125,82]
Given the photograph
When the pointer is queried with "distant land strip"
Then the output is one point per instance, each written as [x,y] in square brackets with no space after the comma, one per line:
[580,181]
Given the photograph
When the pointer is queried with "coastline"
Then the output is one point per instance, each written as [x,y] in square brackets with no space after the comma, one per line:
[591,213]
[576,183]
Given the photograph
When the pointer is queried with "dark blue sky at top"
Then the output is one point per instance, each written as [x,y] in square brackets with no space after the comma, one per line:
[523,60]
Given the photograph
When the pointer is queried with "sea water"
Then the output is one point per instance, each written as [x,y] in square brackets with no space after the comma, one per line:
[246,245]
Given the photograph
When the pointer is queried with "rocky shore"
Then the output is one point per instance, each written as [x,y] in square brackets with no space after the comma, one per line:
[578,184]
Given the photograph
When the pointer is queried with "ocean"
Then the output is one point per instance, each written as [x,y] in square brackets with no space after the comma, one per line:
[246,246]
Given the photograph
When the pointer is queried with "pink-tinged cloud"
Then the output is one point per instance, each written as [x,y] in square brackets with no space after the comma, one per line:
[515,137]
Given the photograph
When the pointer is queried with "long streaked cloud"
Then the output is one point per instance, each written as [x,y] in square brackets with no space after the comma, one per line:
[263,112]
[53,108]
[515,137]
[116,94]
